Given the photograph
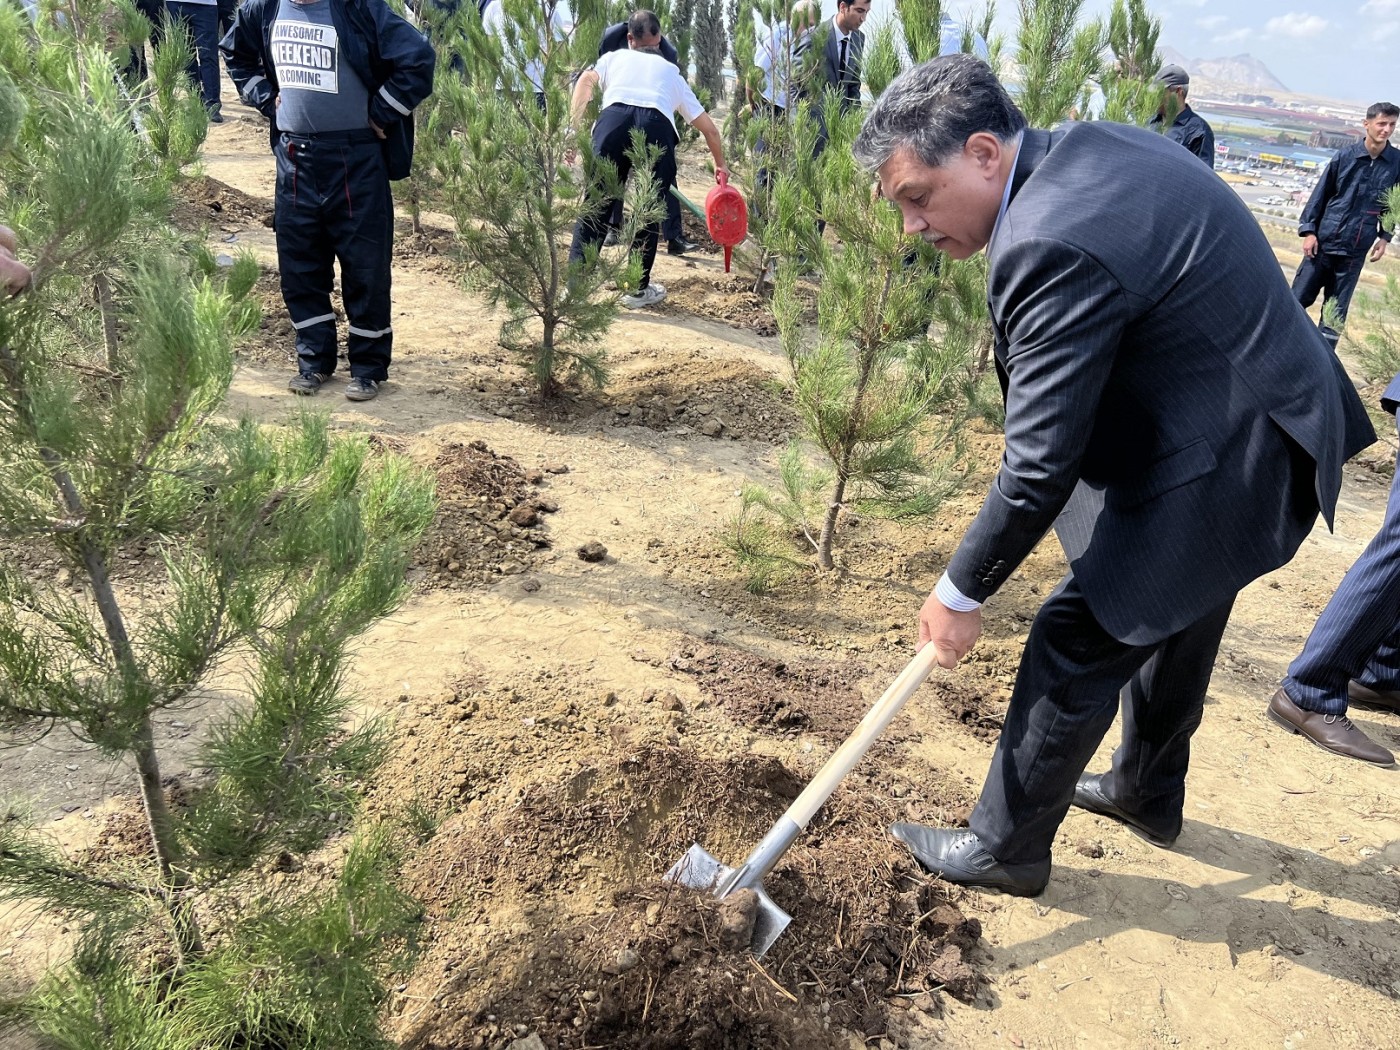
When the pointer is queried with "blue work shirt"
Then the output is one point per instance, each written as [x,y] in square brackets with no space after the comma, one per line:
[1344,211]
[1190,129]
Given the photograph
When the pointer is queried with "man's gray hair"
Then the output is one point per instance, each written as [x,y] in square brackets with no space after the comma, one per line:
[934,108]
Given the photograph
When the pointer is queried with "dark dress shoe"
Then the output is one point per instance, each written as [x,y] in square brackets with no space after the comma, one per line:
[1380,699]
[1334,733]
[955,855]
[610,241]
[1089,794]
[679,246]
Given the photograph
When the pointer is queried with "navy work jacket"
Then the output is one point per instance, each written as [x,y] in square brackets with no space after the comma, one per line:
[392,58]
[1344,211]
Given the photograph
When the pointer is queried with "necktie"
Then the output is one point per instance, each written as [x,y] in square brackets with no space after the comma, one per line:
[841,65]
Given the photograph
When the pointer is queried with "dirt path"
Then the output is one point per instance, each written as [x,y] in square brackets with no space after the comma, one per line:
[575,724]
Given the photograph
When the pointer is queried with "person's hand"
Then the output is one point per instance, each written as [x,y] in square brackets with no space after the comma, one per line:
[570,156]
[1310,246]
[276,101]
[1378,250]
[14,275]
[952,634]
[722,175]
[378,131]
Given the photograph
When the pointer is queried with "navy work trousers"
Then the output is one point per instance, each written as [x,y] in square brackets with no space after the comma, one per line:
[201,21]
[333,202]
[612,138]
[1335,276]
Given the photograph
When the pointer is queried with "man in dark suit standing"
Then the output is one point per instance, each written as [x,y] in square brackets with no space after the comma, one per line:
[842,49]
[1169,410]
[1353,653]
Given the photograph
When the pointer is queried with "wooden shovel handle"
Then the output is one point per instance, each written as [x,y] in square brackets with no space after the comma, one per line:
[858,743]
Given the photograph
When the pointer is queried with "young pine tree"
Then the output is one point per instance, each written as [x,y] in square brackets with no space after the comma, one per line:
[510,182]
[1057,57]
[878,405]
[1131,94]
[261,555]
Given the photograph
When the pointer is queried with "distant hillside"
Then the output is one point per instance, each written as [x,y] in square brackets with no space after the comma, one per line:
[1240,72]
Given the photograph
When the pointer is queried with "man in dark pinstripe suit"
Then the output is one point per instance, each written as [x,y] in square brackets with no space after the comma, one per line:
[1353,652]
[1170,410]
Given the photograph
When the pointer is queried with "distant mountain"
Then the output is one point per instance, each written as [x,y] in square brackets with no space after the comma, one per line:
[1240,72]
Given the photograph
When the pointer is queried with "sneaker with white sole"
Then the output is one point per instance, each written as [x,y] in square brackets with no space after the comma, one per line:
[648,296]
[359,389]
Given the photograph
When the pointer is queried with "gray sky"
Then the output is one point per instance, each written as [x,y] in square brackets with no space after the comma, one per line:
[1340,48]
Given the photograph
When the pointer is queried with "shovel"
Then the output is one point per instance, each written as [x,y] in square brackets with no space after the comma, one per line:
[701,870]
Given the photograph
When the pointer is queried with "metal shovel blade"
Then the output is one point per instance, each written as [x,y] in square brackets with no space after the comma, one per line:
[701,870]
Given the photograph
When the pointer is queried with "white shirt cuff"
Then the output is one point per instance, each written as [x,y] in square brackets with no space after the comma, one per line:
[953,598]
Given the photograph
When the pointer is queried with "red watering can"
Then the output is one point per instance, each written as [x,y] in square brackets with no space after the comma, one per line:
[727,217]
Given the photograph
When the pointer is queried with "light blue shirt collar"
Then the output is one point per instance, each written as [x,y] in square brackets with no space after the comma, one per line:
[1006,193]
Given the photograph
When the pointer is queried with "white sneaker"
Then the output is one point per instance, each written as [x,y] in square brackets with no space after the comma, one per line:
[648,296]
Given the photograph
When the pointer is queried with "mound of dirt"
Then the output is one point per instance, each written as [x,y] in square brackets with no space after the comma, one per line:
[488,520]
[712,398]
[724,297]
[872,943]
[770,695]
[201,201]
[275,341]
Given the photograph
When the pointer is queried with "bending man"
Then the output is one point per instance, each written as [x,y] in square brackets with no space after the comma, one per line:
[640,90]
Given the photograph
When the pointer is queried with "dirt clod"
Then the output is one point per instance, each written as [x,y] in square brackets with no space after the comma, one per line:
[737,914]
[592,551]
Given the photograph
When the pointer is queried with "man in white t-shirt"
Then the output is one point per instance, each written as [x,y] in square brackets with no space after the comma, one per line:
[641,90]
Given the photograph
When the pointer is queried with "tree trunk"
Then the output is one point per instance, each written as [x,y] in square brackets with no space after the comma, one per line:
[828,536]
[143,749]
[108,307]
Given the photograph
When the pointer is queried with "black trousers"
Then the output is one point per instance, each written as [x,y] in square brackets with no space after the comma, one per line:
[1335,276]
[671,228]
[1066,695]
[333,202]
[612,138]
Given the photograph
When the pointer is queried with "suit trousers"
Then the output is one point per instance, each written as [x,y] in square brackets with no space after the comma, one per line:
[1066,695]
[612,138]
[1358,634]
[333,202]
[1335,276]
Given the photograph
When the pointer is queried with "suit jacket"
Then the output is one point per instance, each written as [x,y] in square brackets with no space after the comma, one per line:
[1170,408]
[830,66]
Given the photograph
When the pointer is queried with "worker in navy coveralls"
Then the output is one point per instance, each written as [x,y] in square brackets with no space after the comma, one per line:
[339,80]
[1341,222]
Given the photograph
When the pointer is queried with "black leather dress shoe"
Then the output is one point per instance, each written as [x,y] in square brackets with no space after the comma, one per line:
[1089,794]
[956,855]
[610,240]
[679,246]
[1380,699]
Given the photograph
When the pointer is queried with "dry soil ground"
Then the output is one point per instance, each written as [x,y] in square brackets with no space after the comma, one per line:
[577,724]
